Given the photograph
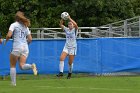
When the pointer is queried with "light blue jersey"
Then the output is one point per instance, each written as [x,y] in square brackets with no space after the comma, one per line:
[70,37]
[20,33]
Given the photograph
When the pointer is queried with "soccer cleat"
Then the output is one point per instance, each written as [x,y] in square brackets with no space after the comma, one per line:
[60,74]
[34,69]
[13,84]
[69,75]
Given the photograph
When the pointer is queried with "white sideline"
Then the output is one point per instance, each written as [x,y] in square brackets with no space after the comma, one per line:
[90,88]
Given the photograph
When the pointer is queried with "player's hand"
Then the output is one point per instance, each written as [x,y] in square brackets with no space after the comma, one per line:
[69,17]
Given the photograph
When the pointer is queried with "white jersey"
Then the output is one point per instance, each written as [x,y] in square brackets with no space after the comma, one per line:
[71,36]
[20,33]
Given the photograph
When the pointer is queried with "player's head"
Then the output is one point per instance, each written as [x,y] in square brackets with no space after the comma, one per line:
[70,25]
[21,18]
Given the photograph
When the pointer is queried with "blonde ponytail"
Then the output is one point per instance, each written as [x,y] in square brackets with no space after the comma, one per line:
[21,18]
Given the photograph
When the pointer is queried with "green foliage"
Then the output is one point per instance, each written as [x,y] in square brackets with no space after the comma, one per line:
[136,6]
[46,13]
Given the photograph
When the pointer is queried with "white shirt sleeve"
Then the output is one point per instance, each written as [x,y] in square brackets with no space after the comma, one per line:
[11,28]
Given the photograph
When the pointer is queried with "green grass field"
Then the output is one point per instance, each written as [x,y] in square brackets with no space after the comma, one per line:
[77,84]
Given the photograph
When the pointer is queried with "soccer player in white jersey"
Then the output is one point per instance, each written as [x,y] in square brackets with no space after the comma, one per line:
[70,47]
[21,38]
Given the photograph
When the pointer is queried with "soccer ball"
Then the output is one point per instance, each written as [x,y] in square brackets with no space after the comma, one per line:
[64,15]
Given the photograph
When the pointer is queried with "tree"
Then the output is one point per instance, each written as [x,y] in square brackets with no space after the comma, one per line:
[44,13]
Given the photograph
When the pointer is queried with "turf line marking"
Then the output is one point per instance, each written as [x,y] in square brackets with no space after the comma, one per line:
[90,88]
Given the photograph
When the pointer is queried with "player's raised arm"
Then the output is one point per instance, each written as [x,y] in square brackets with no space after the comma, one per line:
[61,23]
[74,23]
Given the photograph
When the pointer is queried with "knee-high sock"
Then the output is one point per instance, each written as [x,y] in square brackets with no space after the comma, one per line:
[13,75]
[61,66]
[70,68]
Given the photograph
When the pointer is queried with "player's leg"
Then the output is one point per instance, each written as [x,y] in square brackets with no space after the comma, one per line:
[61,64]
[71,58]
[25,66]
[72,53]
[13,60]
[22,63]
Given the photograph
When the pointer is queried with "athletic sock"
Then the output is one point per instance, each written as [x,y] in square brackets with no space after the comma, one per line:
[70,68]
[27,66]
[13,75]
[61,66]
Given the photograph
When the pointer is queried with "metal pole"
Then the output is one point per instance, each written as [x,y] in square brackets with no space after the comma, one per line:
[125,28]
[110,30]
[79,33]
[94,32]
[42,34]
[38,34]
[55,35]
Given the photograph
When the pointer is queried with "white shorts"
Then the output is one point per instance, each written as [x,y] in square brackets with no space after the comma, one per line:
[70,51]
[20,51]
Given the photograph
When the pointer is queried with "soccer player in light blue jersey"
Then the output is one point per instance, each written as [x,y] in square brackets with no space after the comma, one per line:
[21,38]
[70,47]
